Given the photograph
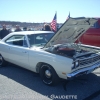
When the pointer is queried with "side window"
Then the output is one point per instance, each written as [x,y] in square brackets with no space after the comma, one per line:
[18,40]
[96,25]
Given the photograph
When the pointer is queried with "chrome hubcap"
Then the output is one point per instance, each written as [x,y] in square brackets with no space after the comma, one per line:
[1,60]
[47,73]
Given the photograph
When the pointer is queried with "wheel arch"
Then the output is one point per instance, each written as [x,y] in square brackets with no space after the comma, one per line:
[3,62]
[39,65]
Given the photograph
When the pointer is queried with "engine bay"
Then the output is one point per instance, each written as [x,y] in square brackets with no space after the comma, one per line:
[69,50]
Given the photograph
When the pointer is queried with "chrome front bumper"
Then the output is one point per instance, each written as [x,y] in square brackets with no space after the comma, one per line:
[83,71]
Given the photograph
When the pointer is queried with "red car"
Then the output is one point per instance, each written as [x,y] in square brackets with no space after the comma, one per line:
[92,35]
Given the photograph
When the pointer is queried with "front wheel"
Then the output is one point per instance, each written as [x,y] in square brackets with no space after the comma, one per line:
[48,75]
[2,61]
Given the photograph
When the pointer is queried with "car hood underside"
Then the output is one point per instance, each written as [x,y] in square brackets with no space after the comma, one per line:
[71,30]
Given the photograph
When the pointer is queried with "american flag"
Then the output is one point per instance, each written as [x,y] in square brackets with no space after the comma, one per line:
[54,23]
[68,16]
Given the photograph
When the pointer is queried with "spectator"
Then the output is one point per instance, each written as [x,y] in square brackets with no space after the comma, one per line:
[29,29]
[17,28]
[24,28]
[3,32]
[46,27]
[9,30]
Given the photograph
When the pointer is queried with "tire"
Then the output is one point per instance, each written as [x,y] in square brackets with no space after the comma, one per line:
[2,61]
[48,75]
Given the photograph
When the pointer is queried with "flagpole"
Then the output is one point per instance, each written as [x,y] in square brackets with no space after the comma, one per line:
[56,20]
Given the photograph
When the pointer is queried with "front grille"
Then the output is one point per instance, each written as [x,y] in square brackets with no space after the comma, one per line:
[89,61]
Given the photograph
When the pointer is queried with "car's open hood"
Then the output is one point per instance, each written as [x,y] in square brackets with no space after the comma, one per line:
[71,30]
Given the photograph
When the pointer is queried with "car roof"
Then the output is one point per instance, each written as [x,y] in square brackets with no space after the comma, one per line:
[31,32]
[26,33]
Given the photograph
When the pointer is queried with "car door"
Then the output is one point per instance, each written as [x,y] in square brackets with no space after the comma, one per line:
[18,50]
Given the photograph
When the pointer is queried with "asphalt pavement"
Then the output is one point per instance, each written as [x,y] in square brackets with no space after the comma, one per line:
[20,84]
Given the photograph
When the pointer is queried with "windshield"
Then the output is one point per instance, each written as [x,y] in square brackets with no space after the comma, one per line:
[39,39]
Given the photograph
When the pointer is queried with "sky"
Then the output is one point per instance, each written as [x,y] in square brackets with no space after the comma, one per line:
[44,10]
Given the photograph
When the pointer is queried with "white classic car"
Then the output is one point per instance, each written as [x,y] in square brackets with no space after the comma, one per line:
[53,56]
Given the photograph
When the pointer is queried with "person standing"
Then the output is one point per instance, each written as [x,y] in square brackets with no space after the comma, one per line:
[17,28]
[3,32]
[46,27]
[24,28]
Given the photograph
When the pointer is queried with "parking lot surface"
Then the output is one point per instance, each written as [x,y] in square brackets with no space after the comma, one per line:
[20,84]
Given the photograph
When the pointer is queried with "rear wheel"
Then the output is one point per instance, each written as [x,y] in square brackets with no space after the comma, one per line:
[48,75]
[2,61]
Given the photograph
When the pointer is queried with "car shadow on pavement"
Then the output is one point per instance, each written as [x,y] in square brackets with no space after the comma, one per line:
[81,87]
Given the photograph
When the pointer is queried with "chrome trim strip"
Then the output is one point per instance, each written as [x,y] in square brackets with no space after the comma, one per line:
[83,71]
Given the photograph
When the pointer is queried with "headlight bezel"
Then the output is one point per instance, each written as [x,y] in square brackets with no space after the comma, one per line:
[76,64]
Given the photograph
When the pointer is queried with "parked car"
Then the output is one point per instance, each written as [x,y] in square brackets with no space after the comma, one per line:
[39,52]
[92,35]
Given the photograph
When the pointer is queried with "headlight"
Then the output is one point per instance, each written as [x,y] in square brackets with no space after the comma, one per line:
[76,64]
